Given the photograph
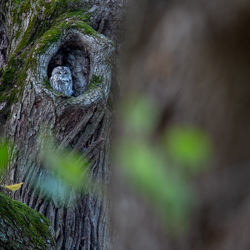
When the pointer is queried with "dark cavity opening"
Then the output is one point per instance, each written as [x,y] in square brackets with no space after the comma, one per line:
[73,55]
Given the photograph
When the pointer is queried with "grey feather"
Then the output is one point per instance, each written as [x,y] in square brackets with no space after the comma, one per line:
[61,80]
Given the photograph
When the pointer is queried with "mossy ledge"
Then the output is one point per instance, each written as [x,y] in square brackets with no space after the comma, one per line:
[22,227]
[95,80]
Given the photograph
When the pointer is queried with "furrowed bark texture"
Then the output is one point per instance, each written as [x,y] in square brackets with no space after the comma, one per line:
[23,228]
[41,35]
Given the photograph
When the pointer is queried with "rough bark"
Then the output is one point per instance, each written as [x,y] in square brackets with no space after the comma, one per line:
[39,34]
[23,228]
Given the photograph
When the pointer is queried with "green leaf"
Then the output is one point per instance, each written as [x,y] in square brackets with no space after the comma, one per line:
[189,147]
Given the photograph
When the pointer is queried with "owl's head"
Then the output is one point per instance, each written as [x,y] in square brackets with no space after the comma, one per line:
[61,72]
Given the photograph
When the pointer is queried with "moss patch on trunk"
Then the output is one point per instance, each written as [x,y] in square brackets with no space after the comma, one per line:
[21,226]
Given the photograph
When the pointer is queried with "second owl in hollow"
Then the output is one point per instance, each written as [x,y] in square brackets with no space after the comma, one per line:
[61,80]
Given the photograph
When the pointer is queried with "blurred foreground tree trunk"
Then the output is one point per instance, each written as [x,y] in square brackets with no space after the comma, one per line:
[35,37]
[192,58]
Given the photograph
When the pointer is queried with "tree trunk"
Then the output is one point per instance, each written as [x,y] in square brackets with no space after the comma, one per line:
[23,228]
[192,59]
[37,36]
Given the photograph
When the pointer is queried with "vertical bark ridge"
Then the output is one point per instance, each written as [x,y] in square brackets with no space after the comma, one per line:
[89,130]
[68,139]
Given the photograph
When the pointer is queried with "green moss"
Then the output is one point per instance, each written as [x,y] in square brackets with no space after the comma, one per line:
[24,7]
[47,24]
[24,54]
[12,80]
[17,1]
[75,15]
[17,10]
[29,34]
[34,225]
[110,102]
[40,22]
[95,80]
[44,16]
[55,33]
[8,76]
[47,84]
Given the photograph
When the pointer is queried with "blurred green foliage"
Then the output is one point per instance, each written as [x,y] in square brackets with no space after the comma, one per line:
[151,175]
[3,159]
[189,147]
[3,154]
[68,167]
[140,116]
[161,169]
[66,173]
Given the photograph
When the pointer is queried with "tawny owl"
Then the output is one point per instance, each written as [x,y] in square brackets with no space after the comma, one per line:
[61,80]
